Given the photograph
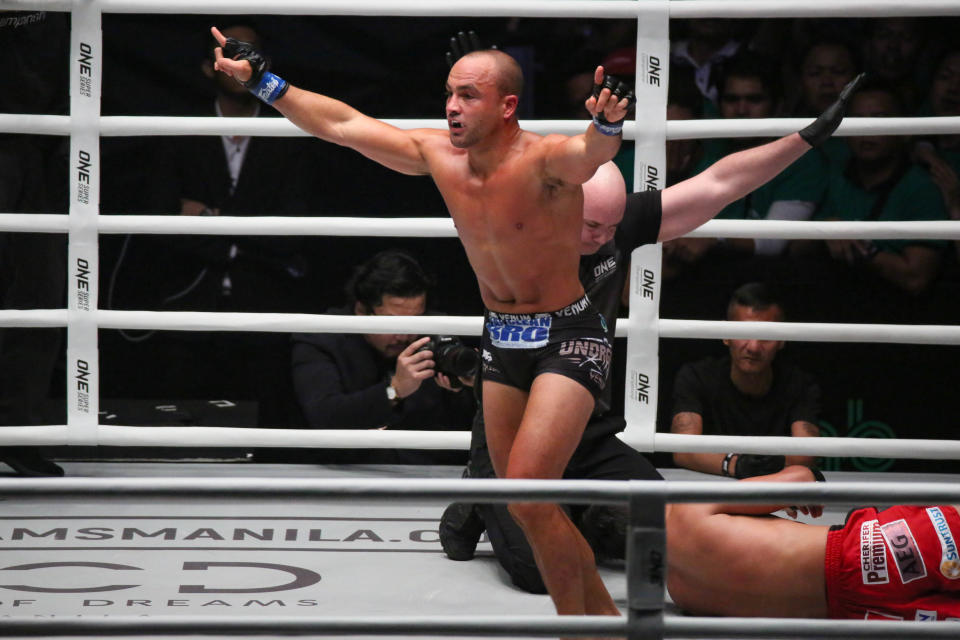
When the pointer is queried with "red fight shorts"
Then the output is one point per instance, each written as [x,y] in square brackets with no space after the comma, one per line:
[901,563]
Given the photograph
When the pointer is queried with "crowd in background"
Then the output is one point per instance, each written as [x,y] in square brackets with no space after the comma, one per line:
[394,68]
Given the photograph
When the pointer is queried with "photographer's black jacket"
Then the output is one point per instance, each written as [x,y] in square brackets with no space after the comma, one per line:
[341,383]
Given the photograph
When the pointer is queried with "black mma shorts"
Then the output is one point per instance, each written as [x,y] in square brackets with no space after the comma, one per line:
[572,342]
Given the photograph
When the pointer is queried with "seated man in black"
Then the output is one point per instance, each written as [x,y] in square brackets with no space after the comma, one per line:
[380,380]
[747,392]
[614,224]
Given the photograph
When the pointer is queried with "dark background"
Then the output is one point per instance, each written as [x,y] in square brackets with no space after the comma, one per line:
[394,68]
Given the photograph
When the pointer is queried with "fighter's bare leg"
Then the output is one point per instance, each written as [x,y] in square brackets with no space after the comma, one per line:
[533,436]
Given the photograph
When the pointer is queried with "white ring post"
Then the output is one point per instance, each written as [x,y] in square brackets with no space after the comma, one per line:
[643,343]
[86,56]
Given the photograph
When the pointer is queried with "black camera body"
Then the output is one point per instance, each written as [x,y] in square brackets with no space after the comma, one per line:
[452,357]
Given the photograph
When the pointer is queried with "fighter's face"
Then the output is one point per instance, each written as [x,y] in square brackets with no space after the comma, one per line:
[473,101]
[391,344]
[754,356]
[825,71]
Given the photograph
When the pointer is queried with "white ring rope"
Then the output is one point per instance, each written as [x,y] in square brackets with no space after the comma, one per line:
[119,126]
[532,626]
[487,490]
[443,227]
[472,325]
[522,8]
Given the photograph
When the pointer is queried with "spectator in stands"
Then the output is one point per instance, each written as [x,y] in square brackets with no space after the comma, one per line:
[826,66]
[749,88]
[894,48]
[881,183]
[941,154]
[230,176]
[382,380]
[747,392]
[708,42]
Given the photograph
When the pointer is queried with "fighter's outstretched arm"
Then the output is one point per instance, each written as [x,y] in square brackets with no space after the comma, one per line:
[327,118]
[688,204]
[575,159]
[792,473]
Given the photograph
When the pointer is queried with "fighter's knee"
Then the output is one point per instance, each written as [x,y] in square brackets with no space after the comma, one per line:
[532,514]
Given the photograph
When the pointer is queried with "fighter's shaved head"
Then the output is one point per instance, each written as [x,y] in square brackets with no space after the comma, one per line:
[509,75]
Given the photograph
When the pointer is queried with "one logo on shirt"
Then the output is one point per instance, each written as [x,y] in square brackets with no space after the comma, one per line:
[519,332]
[605,268]
[906,553]
[486,356]
[950,558]
[873,554]
[925,616]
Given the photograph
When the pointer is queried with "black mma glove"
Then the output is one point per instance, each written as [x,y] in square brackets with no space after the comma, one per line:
[240,50]
[266,86]
[750,465]
[464,43]
[620,90]
[823,127]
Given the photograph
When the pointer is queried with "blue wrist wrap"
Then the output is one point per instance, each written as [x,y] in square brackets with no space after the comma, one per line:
[270,88]
[607,128]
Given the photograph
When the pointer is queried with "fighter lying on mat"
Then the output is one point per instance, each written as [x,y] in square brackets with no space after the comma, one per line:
[899,563]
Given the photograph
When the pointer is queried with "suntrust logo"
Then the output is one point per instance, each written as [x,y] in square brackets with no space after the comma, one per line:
[950,559]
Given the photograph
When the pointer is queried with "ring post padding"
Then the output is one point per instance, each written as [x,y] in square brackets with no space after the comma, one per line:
[643,348]
[646,565]
[653,65]
[649,172]
[86,58]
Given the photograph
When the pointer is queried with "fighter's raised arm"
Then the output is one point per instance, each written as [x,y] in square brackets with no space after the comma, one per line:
[324,117]
[688,204]
[575,159]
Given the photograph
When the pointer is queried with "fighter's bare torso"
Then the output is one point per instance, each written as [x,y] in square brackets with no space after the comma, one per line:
[723,564]
[519,226]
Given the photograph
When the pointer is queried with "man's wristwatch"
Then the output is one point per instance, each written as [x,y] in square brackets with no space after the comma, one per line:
[391,393]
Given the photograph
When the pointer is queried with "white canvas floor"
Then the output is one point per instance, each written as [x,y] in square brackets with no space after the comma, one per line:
[253,558]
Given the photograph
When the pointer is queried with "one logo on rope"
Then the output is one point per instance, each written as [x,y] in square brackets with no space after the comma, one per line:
[950,559]
[83,284]
[86,70]
[84,162]
[925,616]
[906,553]
[641,387]
[646,284]
[873,554]
[83,386]
[652,69]
[649,176]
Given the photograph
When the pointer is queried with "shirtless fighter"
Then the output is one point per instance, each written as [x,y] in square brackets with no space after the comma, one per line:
[899,563]
[516,200]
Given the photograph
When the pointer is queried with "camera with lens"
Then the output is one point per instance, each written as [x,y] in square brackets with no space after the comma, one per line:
[452,357]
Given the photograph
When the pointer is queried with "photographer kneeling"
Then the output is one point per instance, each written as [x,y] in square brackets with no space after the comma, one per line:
[382,380]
